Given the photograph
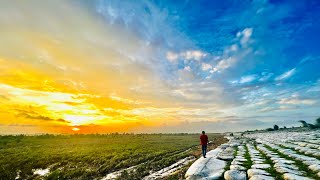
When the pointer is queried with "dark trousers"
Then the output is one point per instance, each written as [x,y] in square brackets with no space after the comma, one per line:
[204,150]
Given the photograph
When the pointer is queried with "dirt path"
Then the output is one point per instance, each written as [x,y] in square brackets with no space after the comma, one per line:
[213,143]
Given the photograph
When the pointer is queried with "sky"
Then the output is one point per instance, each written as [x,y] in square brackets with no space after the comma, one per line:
[103,66]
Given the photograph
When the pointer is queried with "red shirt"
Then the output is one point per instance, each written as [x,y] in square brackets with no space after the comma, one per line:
[204,139]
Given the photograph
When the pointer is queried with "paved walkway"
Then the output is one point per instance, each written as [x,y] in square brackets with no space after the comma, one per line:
[262,156]
[207,168]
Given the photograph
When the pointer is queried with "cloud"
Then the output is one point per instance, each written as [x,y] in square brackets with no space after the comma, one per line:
[232,54]
[186,74]
[265,76]
[205,66]
[308,59]
[35,113]
[21,125]
[245,79]
[187,94]
[187,68]
[4,97]
[152,63]
[113,96]
[315,87]
[51,106]
[224,64]
[196,55]
[41,117]
[286,75]
[267,109]
[295,101]
[245,36]
[287,107]
[185,55]
[172,57]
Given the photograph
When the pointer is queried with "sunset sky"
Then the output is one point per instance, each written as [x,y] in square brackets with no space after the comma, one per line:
[106,66]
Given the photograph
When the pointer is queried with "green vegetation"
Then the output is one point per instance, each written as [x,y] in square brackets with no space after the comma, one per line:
[304,123]
[318,122]
[92,156]
[271,170]
[301,166]
[305,127]
[310,155]
[269,129]
[247,164]
[311,126]
[235,153]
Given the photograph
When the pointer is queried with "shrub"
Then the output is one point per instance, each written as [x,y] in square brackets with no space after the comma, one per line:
[318,122]
[304,123]
[312,126]
[276,127]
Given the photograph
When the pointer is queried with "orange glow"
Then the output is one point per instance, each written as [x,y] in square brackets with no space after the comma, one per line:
[75,129]
[53,79]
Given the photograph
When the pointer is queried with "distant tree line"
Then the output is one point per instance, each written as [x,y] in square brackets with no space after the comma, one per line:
[304,124]
[309,125]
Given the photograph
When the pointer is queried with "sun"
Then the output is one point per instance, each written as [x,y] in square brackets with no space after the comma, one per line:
[75,129]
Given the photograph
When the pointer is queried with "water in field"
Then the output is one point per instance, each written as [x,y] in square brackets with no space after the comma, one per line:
[41,172]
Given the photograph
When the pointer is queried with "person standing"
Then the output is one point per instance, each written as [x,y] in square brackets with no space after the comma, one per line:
[204,143]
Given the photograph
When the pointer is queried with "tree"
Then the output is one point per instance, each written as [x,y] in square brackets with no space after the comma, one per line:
[318,122]
[304,123]
[276,127]
[284,127]
[312,126]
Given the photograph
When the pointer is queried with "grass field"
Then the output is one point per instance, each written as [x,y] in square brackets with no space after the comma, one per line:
[93,156]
